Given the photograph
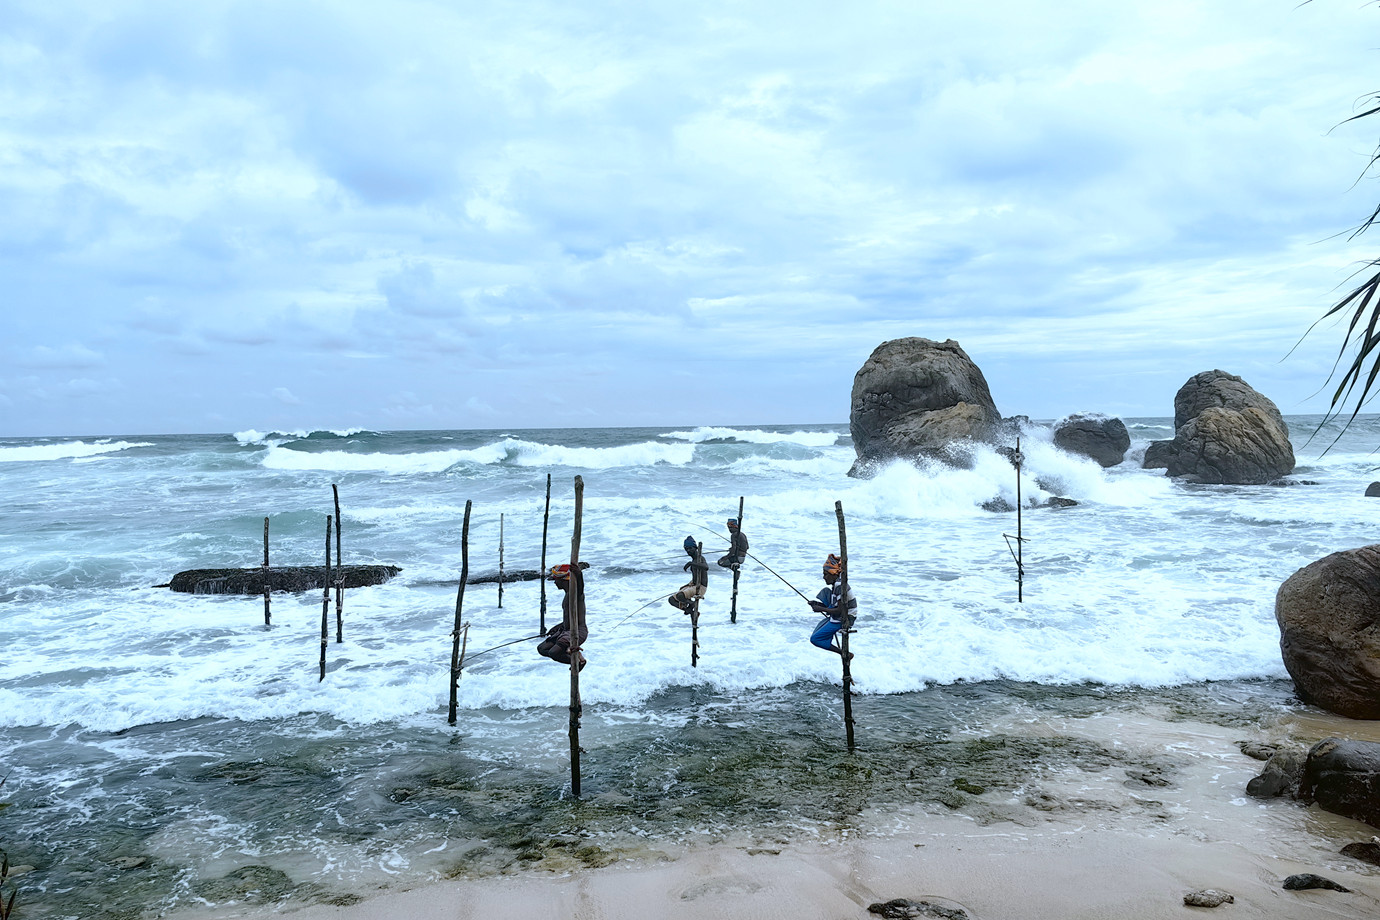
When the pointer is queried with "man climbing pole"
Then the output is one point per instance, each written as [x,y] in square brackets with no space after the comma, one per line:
[688,593]
[830,603]
[737,547]
[556,645]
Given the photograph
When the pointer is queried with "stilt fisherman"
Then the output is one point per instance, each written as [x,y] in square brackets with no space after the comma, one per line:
[836,607]
[686,594]
[737,547]
[556,645]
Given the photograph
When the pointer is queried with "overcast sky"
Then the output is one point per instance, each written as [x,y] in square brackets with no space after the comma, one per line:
[217,216]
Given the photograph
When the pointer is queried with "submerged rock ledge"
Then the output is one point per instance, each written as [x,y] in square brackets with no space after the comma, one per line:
[293,578]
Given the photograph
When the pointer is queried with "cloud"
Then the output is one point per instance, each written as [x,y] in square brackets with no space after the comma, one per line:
[284,396]
[648,200]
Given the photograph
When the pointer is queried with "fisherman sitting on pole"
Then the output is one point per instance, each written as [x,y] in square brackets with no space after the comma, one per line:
[556,645]
[830,602]
[737,547]
[686,594]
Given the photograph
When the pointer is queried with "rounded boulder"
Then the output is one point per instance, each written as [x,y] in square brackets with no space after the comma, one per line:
[1329,631]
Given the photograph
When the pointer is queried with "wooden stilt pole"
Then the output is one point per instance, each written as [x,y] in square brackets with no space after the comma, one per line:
[457,631]
[847,627]
[326,603]
[733,607]
[578,617]
[1020,539]
[268,616]
[500,562]
[695,619]
[546,519]
[340,572]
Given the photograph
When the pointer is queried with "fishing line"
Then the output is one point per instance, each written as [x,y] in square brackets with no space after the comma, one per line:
[639,610]
[749,555]
[504,645]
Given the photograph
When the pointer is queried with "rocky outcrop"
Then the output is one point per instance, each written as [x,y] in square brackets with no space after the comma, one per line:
[1343,776]
[1100,437]
[289,579]
[1225,432]
[1329,631]
[1373,490]
[914,396]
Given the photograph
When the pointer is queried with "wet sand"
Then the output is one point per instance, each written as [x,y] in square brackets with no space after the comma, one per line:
[1082,843]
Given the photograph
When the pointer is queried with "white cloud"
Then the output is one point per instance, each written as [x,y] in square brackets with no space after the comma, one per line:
[490,205]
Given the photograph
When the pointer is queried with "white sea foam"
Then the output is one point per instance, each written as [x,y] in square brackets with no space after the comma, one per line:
[65,450]
[509,451]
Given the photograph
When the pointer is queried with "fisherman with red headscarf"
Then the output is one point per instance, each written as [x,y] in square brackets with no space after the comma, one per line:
[832,602]
[556,645]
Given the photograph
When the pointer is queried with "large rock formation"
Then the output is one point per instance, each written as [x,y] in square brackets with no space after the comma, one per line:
[1329,631]
[1224,432]
[1343,777]
[914,396]
[1104,439]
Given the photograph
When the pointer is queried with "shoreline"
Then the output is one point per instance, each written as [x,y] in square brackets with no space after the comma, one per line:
[1081,842]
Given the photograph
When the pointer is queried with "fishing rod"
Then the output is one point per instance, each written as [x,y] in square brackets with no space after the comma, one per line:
[750,556]
[505,645]
[638,610]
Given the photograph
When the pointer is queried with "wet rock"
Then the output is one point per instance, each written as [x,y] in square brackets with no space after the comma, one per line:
[1366,852]
[1151,777]
[906,909]
[1098,437]
[259,884]
[914,396]
[1343,776]
[1307,881]
[1258,750]
[129,862]
[1207,897]
[1373,490]
[1225,433]
[1329,631]
[289,579]
[1282,774]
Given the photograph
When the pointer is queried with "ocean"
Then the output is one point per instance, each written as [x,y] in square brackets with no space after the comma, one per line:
[164,751]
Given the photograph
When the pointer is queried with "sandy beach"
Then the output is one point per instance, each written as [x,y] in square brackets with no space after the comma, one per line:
[1079,843]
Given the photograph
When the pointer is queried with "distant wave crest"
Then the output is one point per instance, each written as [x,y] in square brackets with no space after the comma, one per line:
[250,436]
[756,436]
[67,450]
[511,451]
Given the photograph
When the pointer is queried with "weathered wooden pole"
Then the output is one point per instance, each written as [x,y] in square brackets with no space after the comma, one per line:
[695,618]
[268,616]
[340,572]
[546,519]
[326,603]
[500,562]
[733,607]
[456,633]
[577,617]
[847,628]
[1020,539]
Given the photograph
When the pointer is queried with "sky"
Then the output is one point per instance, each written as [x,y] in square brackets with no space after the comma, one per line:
[220,216]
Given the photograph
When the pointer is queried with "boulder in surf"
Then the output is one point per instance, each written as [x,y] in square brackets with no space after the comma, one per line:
[914,397]
[1093,435]
[1225,432]
[1329,631]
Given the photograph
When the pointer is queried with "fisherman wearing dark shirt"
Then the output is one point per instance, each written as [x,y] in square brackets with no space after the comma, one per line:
[737,546]
[686,595]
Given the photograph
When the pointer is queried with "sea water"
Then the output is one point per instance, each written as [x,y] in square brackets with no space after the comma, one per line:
[162,750]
